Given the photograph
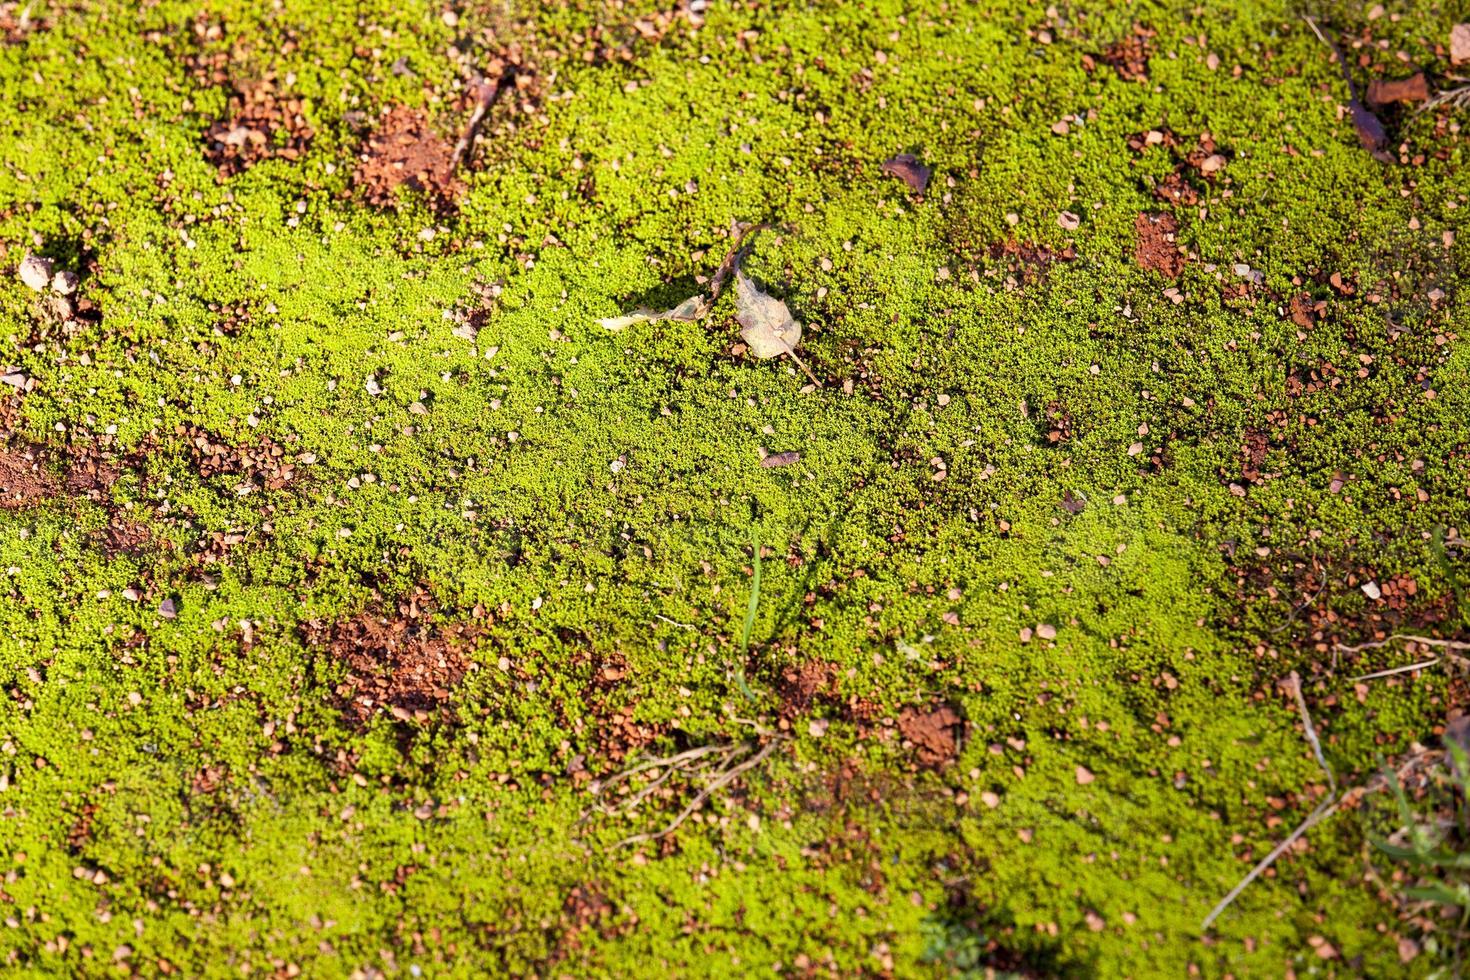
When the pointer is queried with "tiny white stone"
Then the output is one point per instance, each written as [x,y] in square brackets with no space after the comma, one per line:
[1371,590]
[65,282]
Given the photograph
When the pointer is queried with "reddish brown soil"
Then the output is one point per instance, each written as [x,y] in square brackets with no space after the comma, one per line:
[397,662]
[1254,450]
[262,123]
[1157,250]
[934,734]
[405,151]
[123,537]
[263,464]
[1027,260]
[23,482]
[1129,57]
[800,688]
[18,19]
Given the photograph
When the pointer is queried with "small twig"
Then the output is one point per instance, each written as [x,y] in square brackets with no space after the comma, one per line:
[1337,55]
[673,622]
[725,778]
[631,803]
[759,729]
[1457,97]
[1298,610]
[1324,809]
[681,758]
[1428,641]
[486,95]
[802,364]
[1294,682]
[739,233]
[1396,670]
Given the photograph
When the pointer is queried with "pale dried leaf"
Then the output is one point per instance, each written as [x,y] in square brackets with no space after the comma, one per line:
[689,311]
[766,324]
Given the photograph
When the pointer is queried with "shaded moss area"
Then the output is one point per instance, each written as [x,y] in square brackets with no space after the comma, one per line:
[1068,504]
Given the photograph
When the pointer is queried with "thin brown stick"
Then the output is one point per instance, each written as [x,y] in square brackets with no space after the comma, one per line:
[1294,684]
[689,755]
[724,779]
[739,232]
[1324,810]
[1298,610]
[631,803]
[1429,641]
[486,95]
[1407,668]
[802,364]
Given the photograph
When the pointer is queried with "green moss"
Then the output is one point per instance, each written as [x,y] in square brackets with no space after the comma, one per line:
[188,789]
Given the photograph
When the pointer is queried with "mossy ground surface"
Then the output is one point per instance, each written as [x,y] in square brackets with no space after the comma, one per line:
[1095,511]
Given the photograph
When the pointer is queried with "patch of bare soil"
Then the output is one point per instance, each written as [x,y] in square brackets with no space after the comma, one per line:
[262,123]
[934,734]
[23,481]
[405,151]
[1157,249]
[801,688]
[17,19]
[1027,260]
[617,731]
[123,537]
[397,661]
[89,474]
[1129,56]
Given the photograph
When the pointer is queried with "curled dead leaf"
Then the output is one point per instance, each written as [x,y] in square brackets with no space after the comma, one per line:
[689,311]
[767,326]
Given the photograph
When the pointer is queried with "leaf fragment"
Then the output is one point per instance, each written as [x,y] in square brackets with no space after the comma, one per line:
[692,309]
[781,459]
[907,168]
[766,324]
[696,307]
[1383,92]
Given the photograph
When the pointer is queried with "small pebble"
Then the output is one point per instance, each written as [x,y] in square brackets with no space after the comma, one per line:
[35,271]
[65,282]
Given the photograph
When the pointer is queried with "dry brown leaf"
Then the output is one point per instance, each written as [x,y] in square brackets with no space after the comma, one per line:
[1415,88]
[767,326]
[907,168]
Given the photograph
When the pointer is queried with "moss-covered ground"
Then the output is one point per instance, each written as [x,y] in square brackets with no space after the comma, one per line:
[1071,498]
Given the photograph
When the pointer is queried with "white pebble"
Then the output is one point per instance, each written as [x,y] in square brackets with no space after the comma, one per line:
[35,271]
